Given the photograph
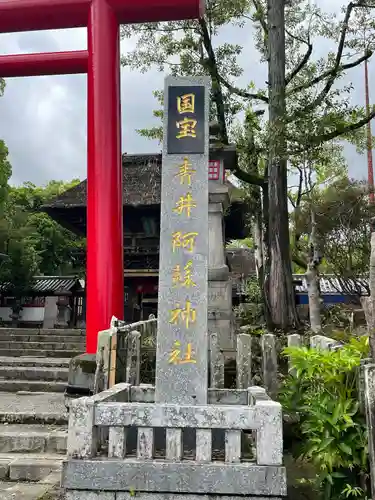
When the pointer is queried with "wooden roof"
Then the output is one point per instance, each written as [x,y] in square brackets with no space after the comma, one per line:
[141,182]
[49,285]
[141,193]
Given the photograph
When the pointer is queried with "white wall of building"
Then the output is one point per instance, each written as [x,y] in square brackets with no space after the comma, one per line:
[27,315]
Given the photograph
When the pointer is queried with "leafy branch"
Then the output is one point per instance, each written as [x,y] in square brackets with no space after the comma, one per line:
[330,72]
[339,131]
[241,92]
[303,61]
[335,70]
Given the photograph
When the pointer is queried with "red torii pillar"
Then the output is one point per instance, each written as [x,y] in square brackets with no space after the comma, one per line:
[101,62]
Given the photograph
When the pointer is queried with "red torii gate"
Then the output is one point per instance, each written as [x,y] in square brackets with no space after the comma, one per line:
[101,62]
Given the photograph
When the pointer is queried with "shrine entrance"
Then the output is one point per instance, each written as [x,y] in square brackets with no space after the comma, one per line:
[140,299]
[101,62]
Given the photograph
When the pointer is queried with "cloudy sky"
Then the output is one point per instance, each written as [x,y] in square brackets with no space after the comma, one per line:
[43,119]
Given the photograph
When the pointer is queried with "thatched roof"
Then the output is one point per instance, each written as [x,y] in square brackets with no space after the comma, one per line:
[141,192]
[141,182]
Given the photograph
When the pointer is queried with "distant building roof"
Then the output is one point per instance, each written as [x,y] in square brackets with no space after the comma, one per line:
[330,284]
[50,284]
[141,181]
[141,184]
[141,190]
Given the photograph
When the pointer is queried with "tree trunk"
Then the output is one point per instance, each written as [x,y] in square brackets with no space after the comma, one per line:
[258,243]
[314,298]
[312,277]
[368,303]
[280,289]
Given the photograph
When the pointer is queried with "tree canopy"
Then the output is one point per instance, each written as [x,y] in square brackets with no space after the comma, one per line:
[304,104]
[32,243]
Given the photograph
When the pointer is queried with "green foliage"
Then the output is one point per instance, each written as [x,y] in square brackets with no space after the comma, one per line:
[342,225]
[5,173]
[58,249]
[31,197]
[319,105]
[245,243]
[252,313]
[253,291]
[322,392]
[335,318]
[30,240]
[181,48]
[21,260]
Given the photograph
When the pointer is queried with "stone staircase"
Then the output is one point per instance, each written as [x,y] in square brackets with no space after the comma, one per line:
[41,343]
[34,367]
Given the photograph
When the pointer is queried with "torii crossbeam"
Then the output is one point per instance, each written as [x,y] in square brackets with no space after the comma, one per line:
[101,62]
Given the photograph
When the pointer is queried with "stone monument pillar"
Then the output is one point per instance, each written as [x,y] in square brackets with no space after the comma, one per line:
[182,337]
[219,285]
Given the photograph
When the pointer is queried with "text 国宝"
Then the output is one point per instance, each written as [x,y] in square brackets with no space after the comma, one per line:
[186,125]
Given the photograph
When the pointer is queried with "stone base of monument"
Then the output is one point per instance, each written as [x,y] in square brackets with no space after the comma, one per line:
[81,378]
[104,464]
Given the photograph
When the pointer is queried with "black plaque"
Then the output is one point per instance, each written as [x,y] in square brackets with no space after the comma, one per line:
[186,125]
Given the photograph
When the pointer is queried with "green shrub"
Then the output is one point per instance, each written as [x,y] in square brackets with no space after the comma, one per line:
[321,393]
[251,313]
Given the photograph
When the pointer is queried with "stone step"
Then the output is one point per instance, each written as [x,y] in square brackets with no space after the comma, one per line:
[63,339]
[31,361]
[47,346]
[41,331]
[46,489]
[23,438]
[58,353]
[43,418]
[31,386]
[33,408]
[31,467]
[34,373]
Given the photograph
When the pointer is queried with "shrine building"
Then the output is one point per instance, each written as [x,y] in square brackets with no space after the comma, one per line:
[141,210]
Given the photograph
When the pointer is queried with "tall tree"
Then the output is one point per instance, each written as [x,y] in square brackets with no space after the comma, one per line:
[343,217]
[296,89]
[279,273]
[20,259]
[315,170]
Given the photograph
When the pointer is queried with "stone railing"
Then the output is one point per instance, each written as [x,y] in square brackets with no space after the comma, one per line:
[258,359]
[102,457]
[117,347]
